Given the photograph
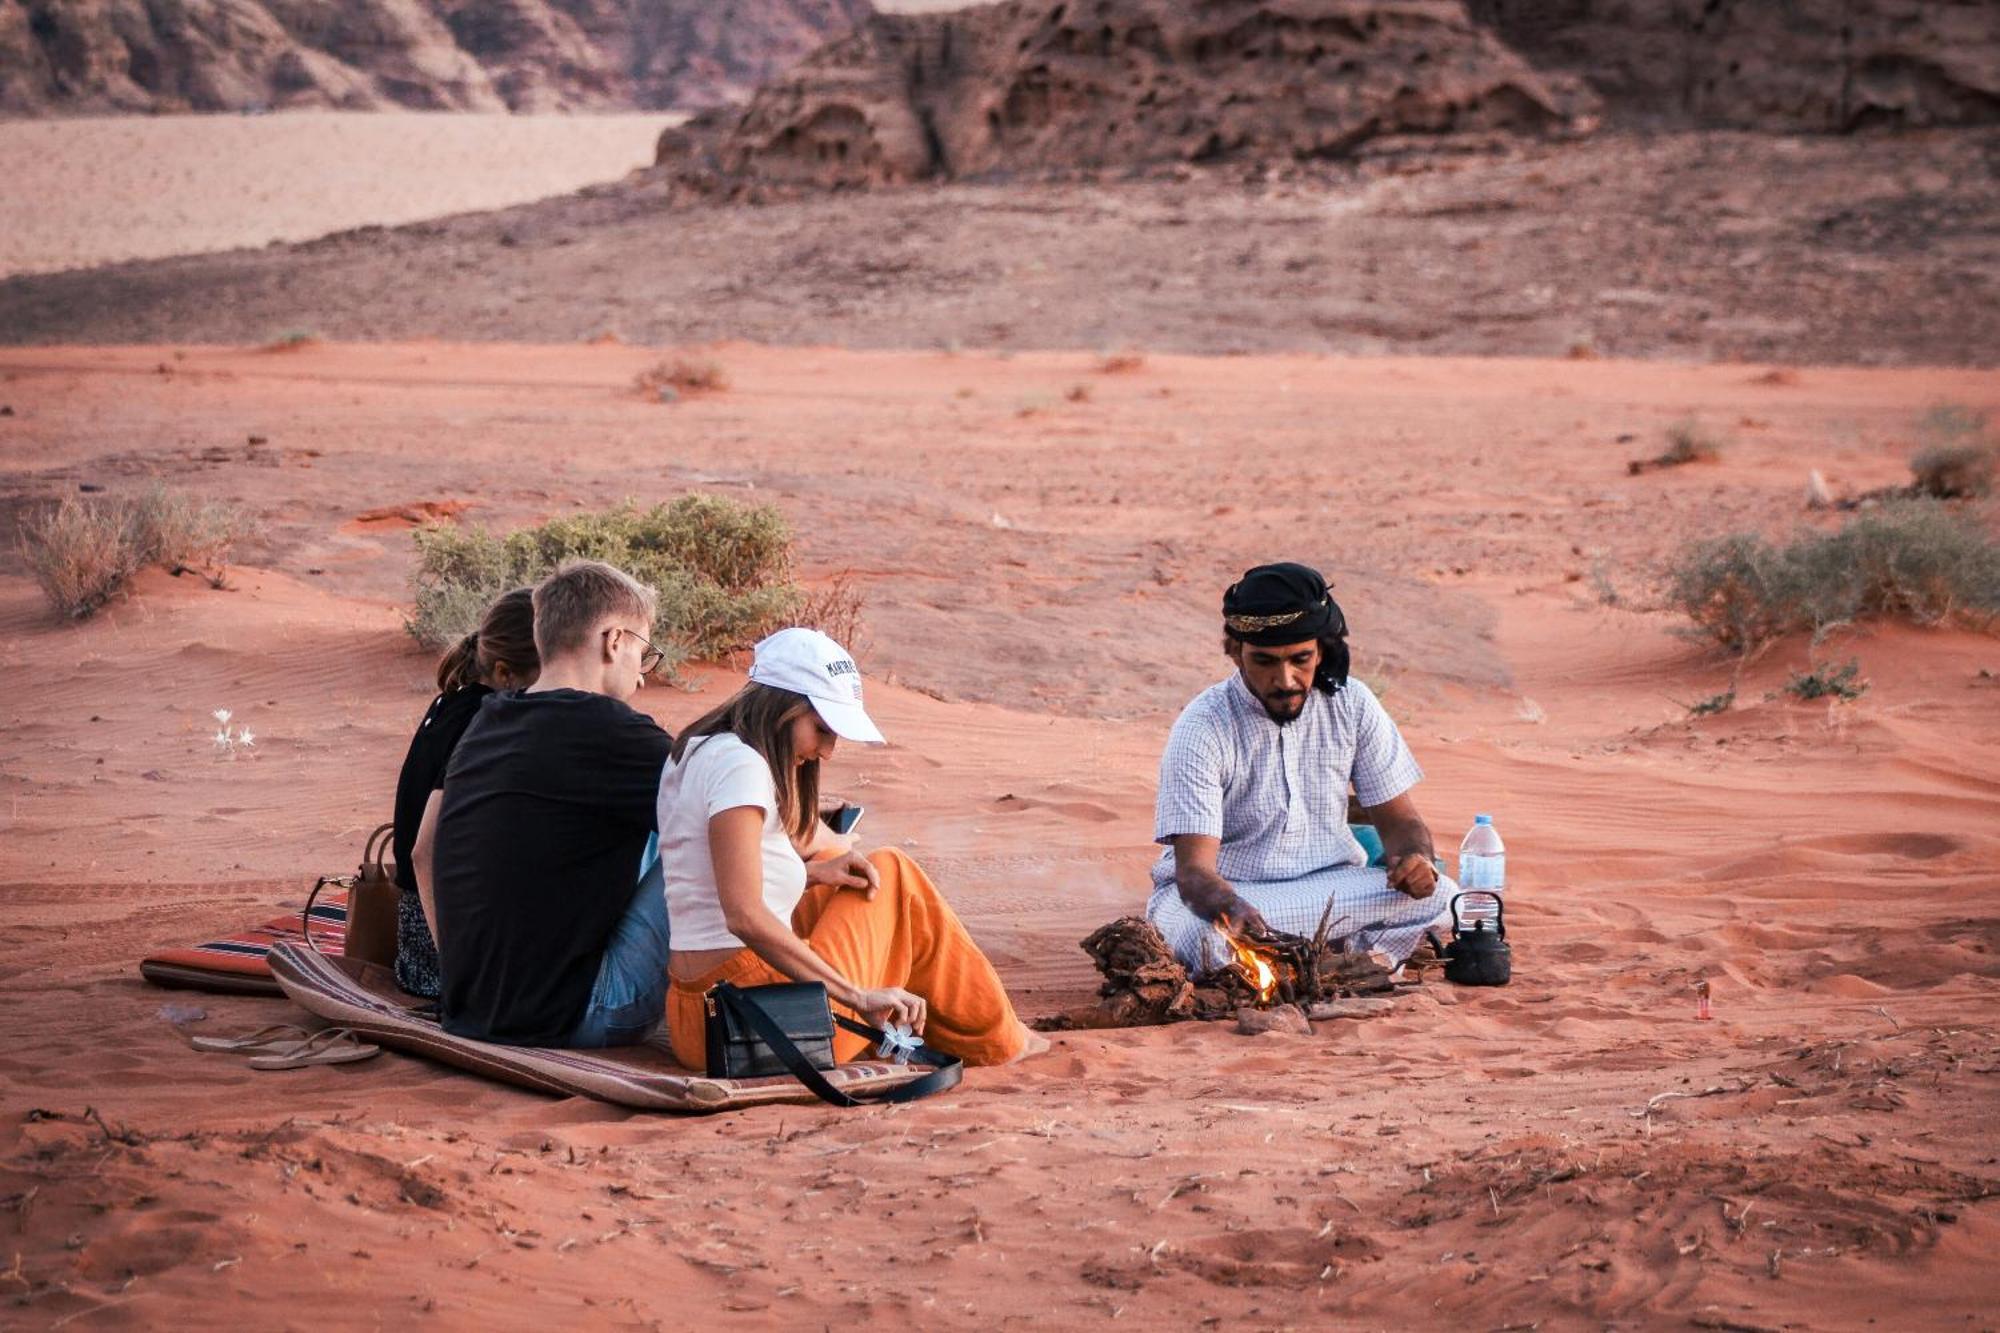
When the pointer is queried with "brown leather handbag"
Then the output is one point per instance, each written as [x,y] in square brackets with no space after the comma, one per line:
[372,896]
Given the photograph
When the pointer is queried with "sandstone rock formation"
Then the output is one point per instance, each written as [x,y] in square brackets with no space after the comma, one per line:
[1816,65]
[459,55]
[1058,85]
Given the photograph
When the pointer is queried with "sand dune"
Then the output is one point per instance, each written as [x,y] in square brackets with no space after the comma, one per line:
[1576,1150]
[104,190]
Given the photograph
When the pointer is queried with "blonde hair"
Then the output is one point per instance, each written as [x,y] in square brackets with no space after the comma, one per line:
[579,597]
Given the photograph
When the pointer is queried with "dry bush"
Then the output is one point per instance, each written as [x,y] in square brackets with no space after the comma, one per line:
[722,569]
[184,533]
[84,552]
[1688,441]
[1120,363]
[834,609]
[292,340]
[1078,393]
[1829,682]
[1957,457]
[682,374]
[1910,560]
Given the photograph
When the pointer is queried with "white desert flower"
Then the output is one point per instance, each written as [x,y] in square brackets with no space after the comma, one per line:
[245,739]
[222,715]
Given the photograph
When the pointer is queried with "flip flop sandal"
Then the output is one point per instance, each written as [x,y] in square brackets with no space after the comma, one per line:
[264,1041]
[329,1046]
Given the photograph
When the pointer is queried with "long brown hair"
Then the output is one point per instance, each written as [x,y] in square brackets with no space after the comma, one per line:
[505,636]
[760,716]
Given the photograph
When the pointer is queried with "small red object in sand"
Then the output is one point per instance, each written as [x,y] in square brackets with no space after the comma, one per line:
[1701,1009]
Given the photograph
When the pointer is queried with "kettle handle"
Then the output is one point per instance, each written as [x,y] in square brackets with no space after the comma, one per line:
[1499,910]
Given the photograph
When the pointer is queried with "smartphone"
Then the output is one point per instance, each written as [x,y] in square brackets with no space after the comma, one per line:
[844,819]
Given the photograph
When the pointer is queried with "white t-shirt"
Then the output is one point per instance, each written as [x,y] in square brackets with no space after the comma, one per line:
[719,773]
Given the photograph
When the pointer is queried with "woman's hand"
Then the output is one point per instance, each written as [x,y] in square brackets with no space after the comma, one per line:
[891,1004]
[849,870]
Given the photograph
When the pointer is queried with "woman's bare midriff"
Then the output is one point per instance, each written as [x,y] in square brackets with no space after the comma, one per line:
[691,964]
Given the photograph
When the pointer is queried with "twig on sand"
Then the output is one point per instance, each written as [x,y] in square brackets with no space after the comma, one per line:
[1183,1185]
[23,1204]
[131,1138]
[1891,1017]
[1653,1103]
[89,1309]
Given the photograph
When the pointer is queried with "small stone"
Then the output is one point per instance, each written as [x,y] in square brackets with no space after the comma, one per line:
[1817,495]
[1278,1018]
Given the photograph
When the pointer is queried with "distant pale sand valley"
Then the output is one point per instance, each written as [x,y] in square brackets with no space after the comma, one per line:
[98,191]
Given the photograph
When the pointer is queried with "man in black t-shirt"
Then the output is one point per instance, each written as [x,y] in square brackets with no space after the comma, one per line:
[540,872]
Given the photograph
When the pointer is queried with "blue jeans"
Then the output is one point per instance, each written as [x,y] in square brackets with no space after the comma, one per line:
[630,997]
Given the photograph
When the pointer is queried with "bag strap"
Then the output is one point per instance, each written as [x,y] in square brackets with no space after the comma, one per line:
[949,1069]
[379,843]
[306,916]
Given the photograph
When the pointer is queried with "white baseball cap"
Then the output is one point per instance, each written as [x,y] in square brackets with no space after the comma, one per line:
[807,662]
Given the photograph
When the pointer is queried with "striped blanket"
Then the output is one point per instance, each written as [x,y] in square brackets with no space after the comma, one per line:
[362,996]
[237,964]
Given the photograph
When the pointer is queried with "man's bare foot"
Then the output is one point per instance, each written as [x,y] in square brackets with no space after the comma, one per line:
[1036,1045]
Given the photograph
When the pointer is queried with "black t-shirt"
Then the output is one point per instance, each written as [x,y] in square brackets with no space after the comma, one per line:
[423,769]
[548,803]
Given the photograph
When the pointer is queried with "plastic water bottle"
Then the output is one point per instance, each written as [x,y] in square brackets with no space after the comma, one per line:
[1482,866]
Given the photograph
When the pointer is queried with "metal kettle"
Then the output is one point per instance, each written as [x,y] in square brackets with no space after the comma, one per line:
[1479,955]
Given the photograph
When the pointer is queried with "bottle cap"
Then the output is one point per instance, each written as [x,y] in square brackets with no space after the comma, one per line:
[1482,819]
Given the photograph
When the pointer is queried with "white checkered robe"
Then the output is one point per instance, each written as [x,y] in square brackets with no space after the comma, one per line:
[1276,796]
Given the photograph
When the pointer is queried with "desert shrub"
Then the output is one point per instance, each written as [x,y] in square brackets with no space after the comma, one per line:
[1713,704]
[1911,560]
[181,531]
[1828,682]
[1957,454]
[1688,441]
[834,609]
[722,569]
[682,375]
[84,552]
[1120,363]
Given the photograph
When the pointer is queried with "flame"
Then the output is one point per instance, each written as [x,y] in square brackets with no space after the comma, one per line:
[1254,965]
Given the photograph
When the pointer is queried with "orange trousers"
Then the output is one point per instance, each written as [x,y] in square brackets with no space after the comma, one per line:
[906,936]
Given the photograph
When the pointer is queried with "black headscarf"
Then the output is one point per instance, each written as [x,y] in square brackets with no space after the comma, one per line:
[1273,605]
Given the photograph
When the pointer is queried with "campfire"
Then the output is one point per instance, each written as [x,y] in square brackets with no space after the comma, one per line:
[1256,965]
[1145,984]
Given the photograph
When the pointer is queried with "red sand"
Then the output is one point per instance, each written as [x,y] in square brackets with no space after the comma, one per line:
[1041,575]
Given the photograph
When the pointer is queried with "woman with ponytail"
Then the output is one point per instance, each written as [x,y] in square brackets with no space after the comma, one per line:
[499,655]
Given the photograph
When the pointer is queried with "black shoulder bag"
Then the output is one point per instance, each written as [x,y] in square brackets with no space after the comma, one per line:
[756,1031]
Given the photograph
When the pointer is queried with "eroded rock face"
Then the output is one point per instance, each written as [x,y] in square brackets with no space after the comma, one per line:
[456,55]
[1057,85]
[1815,65]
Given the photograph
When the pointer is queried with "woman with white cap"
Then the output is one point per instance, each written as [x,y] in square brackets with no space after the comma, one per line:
[739,818]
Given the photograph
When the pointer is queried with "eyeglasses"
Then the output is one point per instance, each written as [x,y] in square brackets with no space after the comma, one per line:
[649,660]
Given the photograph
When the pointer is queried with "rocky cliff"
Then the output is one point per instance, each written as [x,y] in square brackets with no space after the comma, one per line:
[1033,86]
[459,55]
[1814,65]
